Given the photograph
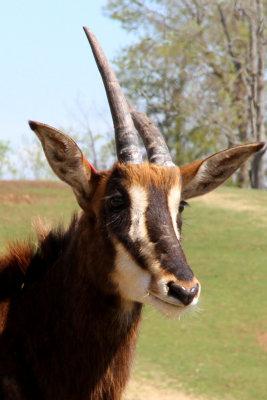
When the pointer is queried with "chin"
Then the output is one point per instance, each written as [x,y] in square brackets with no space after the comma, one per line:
[169,310]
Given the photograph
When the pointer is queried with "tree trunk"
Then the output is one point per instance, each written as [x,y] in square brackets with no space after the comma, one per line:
[258,171]
[258,165]
[243,175]
[243,180]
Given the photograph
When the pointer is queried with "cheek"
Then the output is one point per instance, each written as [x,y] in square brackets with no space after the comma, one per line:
[131,280]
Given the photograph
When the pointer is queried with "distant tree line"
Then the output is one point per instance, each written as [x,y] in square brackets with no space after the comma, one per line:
[29,161]
[196,67]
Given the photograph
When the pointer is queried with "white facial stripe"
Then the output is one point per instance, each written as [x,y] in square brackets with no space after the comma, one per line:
[173,203]
[138,229]
[132,280]
[139,204]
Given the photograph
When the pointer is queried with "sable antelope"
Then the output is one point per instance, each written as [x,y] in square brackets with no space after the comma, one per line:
[71,307]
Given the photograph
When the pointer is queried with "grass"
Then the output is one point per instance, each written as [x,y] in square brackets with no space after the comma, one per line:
[220,351]
[21,201]
[217,352]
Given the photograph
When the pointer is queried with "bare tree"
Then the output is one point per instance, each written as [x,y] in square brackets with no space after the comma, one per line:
[240,70]
[98,147]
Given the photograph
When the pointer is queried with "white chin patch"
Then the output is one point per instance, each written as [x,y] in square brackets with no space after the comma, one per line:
[132,281]
[167,309]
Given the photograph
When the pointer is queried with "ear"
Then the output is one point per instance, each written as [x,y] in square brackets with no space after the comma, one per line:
[67,161]
[202,176]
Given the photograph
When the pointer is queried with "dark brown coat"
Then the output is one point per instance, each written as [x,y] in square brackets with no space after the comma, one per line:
[61,338]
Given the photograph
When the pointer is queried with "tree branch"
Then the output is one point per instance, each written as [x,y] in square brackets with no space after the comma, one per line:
[237,64]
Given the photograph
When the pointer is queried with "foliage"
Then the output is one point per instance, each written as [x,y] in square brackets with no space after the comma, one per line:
[31,162]
[192,66]
[5,164]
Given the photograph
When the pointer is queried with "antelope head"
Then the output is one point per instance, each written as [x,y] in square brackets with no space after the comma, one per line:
[137,206]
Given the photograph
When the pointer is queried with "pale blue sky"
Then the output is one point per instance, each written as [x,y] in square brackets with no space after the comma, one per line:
[46,62]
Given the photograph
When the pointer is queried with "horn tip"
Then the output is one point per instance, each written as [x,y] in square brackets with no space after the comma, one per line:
[87,31]
[33,125]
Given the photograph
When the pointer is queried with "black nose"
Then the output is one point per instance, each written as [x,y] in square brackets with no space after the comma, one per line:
[181,293]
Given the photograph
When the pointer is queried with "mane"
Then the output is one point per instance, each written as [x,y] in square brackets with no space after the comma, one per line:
[26,262]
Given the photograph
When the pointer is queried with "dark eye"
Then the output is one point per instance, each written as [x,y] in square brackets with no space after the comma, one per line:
[117,202]
[182,205]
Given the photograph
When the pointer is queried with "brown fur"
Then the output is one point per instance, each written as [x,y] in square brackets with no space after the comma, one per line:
[54,345]
[13,266]
[150,174]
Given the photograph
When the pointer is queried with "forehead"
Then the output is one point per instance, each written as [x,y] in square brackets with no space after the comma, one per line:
[146,176]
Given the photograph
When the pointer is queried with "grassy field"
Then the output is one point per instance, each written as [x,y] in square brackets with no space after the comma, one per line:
[219,351]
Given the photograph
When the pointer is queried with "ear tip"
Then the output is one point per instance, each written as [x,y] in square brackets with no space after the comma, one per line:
[259,146]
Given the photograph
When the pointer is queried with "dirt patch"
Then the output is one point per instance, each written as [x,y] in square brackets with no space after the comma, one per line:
[16,198]
[142,389]
[262,340]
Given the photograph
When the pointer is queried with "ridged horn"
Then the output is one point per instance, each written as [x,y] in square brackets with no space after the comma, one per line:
[128,150]
[156,148]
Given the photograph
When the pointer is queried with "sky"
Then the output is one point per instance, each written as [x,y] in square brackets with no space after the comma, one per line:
[47,71]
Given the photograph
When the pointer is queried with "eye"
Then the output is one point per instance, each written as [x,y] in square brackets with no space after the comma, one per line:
[117,202]
[182,205]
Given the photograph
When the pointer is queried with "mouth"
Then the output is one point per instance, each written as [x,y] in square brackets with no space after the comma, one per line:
[167,301]
[175,303]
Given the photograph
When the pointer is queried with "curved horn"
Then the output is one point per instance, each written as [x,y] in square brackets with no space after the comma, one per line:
[157,150]
[128,150]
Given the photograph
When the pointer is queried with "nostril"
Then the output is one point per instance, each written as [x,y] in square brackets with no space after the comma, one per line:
[181,293]
[194,290]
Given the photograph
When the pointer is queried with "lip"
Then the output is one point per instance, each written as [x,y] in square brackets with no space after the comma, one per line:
[165,301]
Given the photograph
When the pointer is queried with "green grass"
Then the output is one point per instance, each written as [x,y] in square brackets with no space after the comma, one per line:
[216,352]
[21,202]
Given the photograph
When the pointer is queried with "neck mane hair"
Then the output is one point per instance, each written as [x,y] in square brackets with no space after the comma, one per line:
[70,306]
